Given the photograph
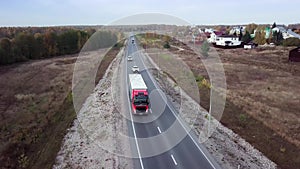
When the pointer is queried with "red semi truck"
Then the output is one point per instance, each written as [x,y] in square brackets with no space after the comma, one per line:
[138,94]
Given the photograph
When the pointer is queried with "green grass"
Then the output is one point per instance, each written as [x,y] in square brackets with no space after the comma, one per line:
[166,57]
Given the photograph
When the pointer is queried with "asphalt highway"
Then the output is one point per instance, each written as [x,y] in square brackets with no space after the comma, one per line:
[162,140]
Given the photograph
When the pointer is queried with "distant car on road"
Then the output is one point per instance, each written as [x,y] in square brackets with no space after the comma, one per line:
[135,69]
[129,58]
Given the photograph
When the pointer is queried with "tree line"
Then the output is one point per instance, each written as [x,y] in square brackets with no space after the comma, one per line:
[260,36]
[21,45]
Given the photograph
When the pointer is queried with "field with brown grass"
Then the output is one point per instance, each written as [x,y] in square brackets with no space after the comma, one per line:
[262,99]
[36,109]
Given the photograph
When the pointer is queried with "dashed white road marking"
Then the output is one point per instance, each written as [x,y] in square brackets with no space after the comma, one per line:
[158,129]
[173,112]
[173,159]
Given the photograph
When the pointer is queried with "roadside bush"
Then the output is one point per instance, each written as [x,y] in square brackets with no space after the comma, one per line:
[205,48]
[167,45]
[23,161]
[199,78]
[291,42]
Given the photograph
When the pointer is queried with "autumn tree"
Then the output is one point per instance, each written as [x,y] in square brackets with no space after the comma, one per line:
[260,37]
[102,39]
[20,44]
[50,42]
[251,27]
[40,46]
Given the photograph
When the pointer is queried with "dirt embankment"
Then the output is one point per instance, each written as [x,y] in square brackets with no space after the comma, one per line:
[94,140]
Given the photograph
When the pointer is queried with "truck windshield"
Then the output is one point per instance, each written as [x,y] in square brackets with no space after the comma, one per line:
[140,99]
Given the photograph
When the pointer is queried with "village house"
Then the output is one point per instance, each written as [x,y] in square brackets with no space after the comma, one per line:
[237,30]
[286,33]
[228,41]
[219,39]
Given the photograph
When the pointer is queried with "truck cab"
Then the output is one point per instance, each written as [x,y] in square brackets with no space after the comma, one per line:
[140,101]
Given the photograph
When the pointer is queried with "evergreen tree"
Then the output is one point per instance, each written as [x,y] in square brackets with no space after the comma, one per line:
[247,37]
[277,37]
[27,45]
[274,25]
[205,48]
[241,34]
[5,51]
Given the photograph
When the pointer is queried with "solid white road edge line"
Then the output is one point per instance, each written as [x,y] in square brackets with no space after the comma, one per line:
[132,124]
[173,159]
[179,119]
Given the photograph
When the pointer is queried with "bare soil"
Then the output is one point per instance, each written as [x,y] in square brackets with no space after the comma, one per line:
[226,147]
[262,99]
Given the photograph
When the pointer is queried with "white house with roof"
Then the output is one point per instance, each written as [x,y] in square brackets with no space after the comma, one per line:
[284,31]
[224,40]
[279,29]
[228,40]
[292,34]
[209,30]
[213,36]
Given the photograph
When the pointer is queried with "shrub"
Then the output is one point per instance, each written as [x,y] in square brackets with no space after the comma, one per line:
[205,48]
[199,78]
[243,118]
[23,161]
[291,42]
[167,45]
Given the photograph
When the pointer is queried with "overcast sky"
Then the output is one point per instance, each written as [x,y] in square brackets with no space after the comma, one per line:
[103,12]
